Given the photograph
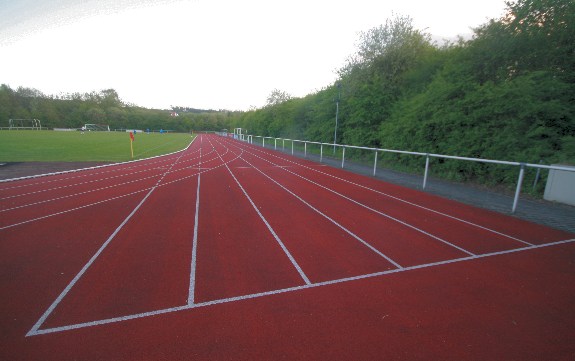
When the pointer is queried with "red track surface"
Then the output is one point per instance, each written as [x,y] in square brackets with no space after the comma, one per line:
[230,251]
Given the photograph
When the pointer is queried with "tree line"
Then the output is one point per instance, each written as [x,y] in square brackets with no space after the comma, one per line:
[103,107]
[507,93]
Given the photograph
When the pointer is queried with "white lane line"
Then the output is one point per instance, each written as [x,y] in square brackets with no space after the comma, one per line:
[150,166]
[328,218]
[80,183]
[286,290]
[97,179]
[278,240]
[73,209]
[393,197]
[371,209]
[96,167]
[90,191]
[57,301]
[192,288]
[85,268]
[109,199]
[78,194]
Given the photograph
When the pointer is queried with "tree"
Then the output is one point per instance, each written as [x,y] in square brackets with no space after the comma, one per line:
[373,78]
[277,97]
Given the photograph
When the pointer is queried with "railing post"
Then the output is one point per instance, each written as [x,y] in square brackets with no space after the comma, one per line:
[275,143]
[263,142]
[292,147]
[426,170]
[321,152]
[375,164]
[343,157]
[537,175]
[283,143]
[518,189]
[305,149]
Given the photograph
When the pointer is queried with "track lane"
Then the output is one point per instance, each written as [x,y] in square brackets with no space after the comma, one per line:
[144,268]
[17,211]
[402,309]
[323,250]
[39,260]
[403,244]
[96,259]
[482,224]
[467,236]
[237,254]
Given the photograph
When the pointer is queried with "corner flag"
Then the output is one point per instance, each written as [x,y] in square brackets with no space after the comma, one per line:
[131,146]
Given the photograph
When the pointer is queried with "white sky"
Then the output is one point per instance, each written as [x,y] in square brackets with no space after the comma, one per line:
[208,54]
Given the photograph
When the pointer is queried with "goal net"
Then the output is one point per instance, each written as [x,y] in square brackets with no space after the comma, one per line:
[96,127]
[25,124]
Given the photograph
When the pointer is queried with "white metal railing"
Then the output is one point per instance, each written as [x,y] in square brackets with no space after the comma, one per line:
[522,166]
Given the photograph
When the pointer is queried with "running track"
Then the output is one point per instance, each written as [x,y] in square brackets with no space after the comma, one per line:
[230,251]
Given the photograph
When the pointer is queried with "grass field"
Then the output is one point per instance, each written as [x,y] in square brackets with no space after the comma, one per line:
[52,146]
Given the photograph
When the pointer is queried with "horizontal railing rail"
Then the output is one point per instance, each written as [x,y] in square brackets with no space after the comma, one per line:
[522,165]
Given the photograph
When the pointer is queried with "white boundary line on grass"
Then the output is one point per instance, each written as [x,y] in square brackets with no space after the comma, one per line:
[90,168]
[88,181]
[153,163]
[37,331]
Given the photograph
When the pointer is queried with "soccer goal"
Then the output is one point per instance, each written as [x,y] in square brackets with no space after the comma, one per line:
[96,127]
[33,124]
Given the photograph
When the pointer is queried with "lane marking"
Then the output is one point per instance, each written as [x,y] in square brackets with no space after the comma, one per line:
[149,165]
[79,275]
[78,194]
[86,266]
[107,200]
[192,288]
[390,196]
[278,240]
[397,265]
[371,209]
[286,290]
[96,167]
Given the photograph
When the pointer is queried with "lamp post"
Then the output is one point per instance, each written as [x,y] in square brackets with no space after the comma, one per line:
[336,114]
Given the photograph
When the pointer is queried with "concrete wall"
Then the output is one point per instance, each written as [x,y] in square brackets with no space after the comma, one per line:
[560,186]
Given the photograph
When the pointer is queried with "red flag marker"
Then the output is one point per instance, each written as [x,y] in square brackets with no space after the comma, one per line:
[131,146]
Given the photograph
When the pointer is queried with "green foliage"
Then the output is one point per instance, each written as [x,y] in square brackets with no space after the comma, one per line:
[508,93]
[104,107]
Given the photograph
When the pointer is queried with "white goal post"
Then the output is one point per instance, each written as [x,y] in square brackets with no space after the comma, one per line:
[33,124]
[96,127]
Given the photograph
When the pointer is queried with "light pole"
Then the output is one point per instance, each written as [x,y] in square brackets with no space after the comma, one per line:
[336,114]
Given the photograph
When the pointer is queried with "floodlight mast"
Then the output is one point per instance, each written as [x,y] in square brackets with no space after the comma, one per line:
[336,114]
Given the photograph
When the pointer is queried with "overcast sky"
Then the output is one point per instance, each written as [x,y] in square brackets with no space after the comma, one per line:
[209,54]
